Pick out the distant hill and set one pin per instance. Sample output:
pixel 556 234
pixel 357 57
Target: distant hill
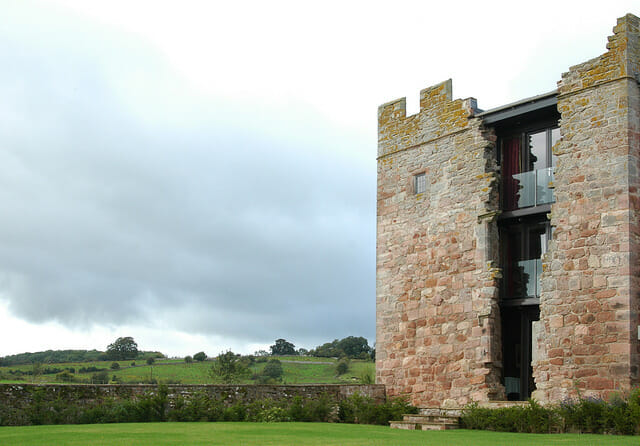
pixel 62 356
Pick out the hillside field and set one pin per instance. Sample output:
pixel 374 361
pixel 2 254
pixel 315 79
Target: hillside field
pixel 297 370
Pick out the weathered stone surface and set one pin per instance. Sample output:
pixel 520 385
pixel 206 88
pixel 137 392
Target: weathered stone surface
pixel 436 288
pixel 595 217
pixel 438 323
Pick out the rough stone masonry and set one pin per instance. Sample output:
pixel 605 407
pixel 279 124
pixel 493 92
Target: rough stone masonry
pixel 440 259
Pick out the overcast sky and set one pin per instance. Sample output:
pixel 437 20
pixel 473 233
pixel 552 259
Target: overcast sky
pixel 202 175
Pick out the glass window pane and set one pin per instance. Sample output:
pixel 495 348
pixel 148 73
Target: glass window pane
pixel 523 260
pixel 537 150
pixel 511 158
pixel 544 179
pixel 525 189
pixel 555 137
pixel 514 274
pixel 420 185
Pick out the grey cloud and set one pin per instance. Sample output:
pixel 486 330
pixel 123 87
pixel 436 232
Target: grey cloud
pixel 223 226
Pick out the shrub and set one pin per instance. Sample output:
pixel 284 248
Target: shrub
pixel 65 377
pixel 342 367
pixel 363 410
pixel 115 366
pixel 368 376
pixel 312 409
pixel 100 378
pixel 273 370
pixel 585 415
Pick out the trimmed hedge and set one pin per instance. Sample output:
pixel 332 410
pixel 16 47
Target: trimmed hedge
pixel 619 415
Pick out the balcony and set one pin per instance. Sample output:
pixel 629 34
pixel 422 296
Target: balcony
pixel 527 189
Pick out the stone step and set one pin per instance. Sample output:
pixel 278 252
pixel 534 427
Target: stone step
pixel 500 404
pixel 408 425
pixel 456 412
pixel 417 418
pixel 426 422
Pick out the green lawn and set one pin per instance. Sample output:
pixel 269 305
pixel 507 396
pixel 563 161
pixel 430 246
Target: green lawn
pixel 260 434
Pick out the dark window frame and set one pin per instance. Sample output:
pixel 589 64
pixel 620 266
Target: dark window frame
pixel 522 132
pixel 523 226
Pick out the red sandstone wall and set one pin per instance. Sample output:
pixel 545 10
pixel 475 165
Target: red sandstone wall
pixel 437 315
pixel 589 303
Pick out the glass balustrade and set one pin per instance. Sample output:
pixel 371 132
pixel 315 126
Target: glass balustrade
pixel 524 279
pixel 531 188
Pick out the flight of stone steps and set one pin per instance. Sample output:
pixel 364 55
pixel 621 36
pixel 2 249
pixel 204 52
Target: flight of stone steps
pixel 443 419
pixel 429 419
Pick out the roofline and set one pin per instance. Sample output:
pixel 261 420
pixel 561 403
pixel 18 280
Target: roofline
pixel 520 107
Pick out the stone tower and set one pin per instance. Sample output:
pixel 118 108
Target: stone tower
pixel 508 239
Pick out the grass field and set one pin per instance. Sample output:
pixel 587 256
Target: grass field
pixel 261 434
pixel 297 370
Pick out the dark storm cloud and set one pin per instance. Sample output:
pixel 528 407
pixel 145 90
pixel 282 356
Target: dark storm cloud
pixel 242 224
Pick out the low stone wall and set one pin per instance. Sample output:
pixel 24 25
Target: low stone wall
pixel 19 396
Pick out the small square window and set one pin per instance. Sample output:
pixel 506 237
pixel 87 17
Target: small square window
pixel 420 183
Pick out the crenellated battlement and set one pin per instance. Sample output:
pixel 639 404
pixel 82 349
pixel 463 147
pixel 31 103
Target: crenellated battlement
pixel 439 116
pixel 622 60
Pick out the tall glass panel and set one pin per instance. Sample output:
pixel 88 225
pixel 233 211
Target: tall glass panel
pixel 523 262
pixel 555 137
pixel 537 150
pixel 515 281
pixel 525 184
pixel 511 166
pixel 544 179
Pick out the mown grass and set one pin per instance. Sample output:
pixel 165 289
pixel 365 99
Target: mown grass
pixel 297 370
pixel 249 434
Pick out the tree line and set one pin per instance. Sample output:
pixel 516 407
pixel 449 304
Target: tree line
pixel 125 348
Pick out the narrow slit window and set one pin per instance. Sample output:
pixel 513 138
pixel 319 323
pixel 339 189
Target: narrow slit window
pixel 420 183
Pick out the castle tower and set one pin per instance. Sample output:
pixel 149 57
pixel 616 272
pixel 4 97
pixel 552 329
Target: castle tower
pixel 508 240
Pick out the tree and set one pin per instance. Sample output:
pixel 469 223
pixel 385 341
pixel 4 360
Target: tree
pixel 327 350
pixel 273 369
pixel 188 359
pixel 351 346
pixel 36 370
pixel 282 347
pixel 228 367
pixel 200 356
pixel 115 366
pixel 150 360
pixel 123 348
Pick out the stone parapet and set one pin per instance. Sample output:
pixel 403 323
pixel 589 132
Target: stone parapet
pixel 439 116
